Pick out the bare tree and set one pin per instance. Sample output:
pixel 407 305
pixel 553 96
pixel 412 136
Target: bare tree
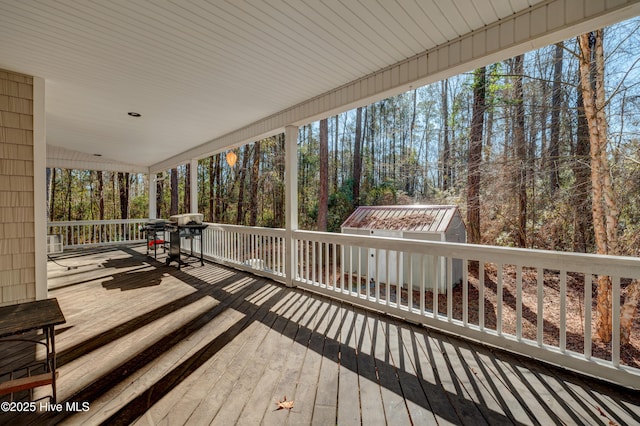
pixel 241 183
pixel 174 192
pixel 604 206
pixel 100 195
pixel 52 210
pixel 521 170
pixel 186 201
pixel 446 146
pixel 323 194
pixel 556 98
pixel 253 199
pixel 475 156
pixel 357 158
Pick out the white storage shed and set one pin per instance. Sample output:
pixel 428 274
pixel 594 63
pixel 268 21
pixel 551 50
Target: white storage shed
pixel 417 222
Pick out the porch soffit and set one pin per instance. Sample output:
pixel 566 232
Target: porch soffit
pixel 208 75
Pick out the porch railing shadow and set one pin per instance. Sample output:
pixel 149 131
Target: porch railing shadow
pixel 404 377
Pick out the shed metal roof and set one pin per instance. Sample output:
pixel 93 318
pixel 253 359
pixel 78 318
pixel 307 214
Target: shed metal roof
pixel 417 218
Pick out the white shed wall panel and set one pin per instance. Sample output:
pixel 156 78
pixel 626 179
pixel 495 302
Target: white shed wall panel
pixel 418 222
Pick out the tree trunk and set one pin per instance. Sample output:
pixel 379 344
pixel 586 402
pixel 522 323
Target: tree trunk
pixel 241 184
pixel 100 195
pixel 159 197
pixel 48 189
pixel 69 193
pixel 521 153
pixel 212 215
pixel 357 158
pixel 219 203
pixel 323 195
pixel 52 208
pixel 186 201
pixel 446 146
pixel 335 154
pixel 173 209
pixel 255 176
pixel 123 187
pixel 407 152
pixel 604 209
pixel 556 99
pixel 629 311
pixel 475 156
pixel 279 199
pixel 581 194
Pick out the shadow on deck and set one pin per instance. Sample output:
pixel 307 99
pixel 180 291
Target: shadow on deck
pixel 146 343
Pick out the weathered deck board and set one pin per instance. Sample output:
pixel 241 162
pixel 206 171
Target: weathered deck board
pixel 393 402
pixel 148 344
pixel 348 386
pixel 370 397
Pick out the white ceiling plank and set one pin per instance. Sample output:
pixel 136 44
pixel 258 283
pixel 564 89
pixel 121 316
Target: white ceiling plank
pixel 456 21
pixel 200 70
pixel 476 15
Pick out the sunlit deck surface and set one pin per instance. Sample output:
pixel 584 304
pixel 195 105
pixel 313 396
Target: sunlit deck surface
pixel 149 344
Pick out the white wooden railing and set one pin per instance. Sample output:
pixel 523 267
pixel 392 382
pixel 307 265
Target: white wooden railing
pixel 259 250
pixel 98 232
pixel 514 299
pixel 532 302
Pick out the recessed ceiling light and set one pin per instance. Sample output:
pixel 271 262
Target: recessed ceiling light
pixel 134 114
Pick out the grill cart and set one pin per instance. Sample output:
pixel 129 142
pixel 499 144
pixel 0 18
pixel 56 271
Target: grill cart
pixel 154 230
pixel 187 226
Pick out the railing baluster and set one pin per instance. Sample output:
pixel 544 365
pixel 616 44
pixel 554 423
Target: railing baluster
pixel 307 265
pixel 563 310
pixel 423 283
pixel 376 267
pixel 449 278
pixel 465 292
pixel 615 321
pixel 410 289
pixel 540 315
pixel 387 286
pixel 588 313
pixel 359 273
pixel 500 272
pixel 518 301
pixel 435 286
pixel 319 262
pixel 481 294
pixel 335 266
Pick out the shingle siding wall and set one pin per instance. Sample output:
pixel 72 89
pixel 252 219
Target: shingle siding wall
pixel 17 243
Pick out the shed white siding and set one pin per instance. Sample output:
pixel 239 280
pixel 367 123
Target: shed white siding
pixel 419 222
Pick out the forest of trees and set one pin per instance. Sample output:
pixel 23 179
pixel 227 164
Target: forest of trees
pixel 510 143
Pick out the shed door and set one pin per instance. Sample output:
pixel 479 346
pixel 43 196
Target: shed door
pixel 391 263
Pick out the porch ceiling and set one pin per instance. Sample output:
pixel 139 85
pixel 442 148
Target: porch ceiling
pixel 199 70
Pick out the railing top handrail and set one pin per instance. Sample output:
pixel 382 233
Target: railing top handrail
pixel 246 229
pixel 95 222
pixel 623 266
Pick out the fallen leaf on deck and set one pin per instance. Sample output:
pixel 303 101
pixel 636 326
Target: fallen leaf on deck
pixel 284 404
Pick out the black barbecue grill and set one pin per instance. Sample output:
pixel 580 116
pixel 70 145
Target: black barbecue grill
pixel 187 226
pixel 154 230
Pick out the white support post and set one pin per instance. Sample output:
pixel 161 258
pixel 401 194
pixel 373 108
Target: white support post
pixel 153 194
pixel 39 188
pixel 291 200
pixel 194 185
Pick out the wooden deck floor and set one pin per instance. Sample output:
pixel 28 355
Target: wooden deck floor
pixel 147 344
